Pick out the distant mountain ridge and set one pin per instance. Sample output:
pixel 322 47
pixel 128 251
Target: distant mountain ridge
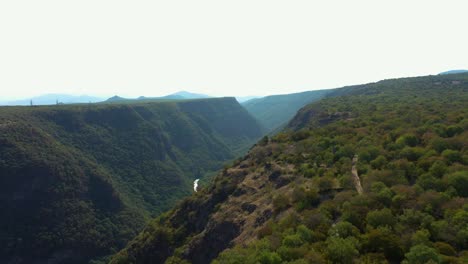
pixel 182 95
pixel 188 95
pixel 51 99
pixel 453 72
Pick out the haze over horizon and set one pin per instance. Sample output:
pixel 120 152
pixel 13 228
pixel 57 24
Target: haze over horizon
pixel 105 48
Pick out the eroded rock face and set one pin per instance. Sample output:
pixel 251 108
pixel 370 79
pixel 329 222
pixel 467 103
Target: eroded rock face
pixel 212 241
pixel 283 180
pixel 263 217
pixel 242 190
pixel 248 207
pixel 228 213
pixel 274 175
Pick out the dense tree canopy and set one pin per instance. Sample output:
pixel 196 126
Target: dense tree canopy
pixel 78 181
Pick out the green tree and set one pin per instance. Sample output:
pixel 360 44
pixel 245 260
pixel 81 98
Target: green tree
pixel 421 237
pixel 344 229
pixel 269 258
pixel 305 233
pixel 293 240
pixel 459 181
pixel 381 218
pixel 453 130
pixel 379 162
pixel 421 254
pixel 384 240
pixel 342 250
pixel 452 155
pixel 407 140
pixel 280 202
pixel 438 168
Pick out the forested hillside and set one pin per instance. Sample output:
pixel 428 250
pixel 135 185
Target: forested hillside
pixel 78 181
pixel 276 110
pixel 376 174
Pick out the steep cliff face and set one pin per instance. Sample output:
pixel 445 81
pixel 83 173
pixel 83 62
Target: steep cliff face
pixel 294 198
pixel 275 111
pixel 78 181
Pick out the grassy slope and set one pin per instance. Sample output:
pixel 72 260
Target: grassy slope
pixel 293 199
pixel 80 180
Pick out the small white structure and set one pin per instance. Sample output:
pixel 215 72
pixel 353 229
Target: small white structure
pixel 195 185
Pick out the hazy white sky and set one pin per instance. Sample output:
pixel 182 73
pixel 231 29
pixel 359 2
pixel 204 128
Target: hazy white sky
pixel 241 47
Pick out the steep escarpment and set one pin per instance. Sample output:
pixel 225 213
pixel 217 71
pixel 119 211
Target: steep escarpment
pixel 275 111
pixel 224 119
pixel 77 181
pixel 292 198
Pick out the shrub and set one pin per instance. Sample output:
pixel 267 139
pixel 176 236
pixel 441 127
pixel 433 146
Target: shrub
pixel 381 218
pixel 379 162
pixel 428 182
pixel 452 155
pixel 300 135
pixel 280 202
pixel 421 237
pixel 383 240
pixel 373 258
pixel 305 198
pixel 453 130
pixel 439 144
pixel 445 248
pixel 305 233
pixel 412 154
pixel 293 241
pixel 291 253
pixel 343 229
pixel 459 181
pixel 438 169
pixel 264 231
pixel 325 183
pixel 342 250
pixel 269 258
pixel 421 254
pixel 407 140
